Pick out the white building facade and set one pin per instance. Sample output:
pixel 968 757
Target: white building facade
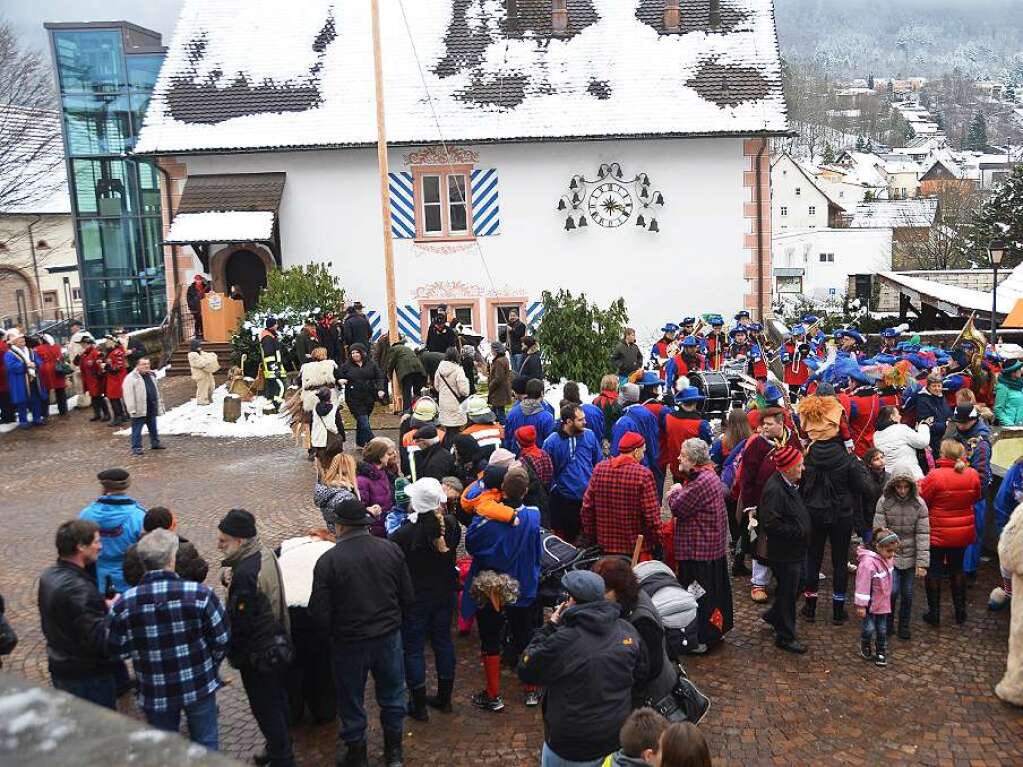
pixel 612 175
pixel 797 202
pixel 817 263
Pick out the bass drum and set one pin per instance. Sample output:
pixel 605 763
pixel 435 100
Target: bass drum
pixel 715 388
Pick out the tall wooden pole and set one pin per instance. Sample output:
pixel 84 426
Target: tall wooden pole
pixel 385 196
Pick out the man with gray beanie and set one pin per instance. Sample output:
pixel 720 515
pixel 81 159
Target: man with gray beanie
pixel 176 633
pixel 261 646
pixel 587 658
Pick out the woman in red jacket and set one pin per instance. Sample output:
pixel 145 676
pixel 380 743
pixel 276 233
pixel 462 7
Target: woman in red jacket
pixel 950 491
pixel 116 366
pixel 51 353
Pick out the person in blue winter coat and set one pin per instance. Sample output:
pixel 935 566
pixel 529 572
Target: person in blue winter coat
pixel 24 381
pixel 1010 495
pixel 637 418
pixel 574 451
pixel 530 411
pixel 120 526
pixel 930 403
pixel 503 548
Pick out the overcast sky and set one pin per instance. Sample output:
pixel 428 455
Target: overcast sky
pixel 28 16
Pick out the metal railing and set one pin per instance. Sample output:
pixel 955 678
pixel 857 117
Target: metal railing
pixel 56 322
pixel 177 327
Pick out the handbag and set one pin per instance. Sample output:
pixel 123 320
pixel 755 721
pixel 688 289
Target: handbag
pixel 277 655
pixel 685 703
pixel 63 369
pixel 453 392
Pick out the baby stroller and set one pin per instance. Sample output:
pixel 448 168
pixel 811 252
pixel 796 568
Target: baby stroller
pixel 557 557
pixel 676 606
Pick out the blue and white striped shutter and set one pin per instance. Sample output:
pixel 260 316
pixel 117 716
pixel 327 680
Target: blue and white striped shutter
pixel 403 209
pixel 534 313
pixel 408 323
pixel 486 209
pixel 374 323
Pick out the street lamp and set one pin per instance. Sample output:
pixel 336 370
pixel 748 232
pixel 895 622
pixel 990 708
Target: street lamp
pixel 996 250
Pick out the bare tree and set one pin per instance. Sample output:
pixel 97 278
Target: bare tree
pixel 31 154
pixel 945 244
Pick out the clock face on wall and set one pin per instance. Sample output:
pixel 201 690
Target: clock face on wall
pixel 610 204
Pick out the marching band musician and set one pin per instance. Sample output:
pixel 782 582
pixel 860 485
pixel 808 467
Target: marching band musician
pixel 794 352
pixel 742 320
pixel 889 341
pixel 688 360
pixel 716 342
pixel 818 341
pixel 740 345
pixel 687 326
pixel 850 343
pixel 757 366
pixel 659 352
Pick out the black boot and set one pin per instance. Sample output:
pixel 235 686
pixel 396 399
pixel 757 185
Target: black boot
pixel 96 414
pixel 933 588
pixel 809 610
pixel 904 632
pixel 958 583
pixel 118 418
pixel 392 750
pixel 355 756
pixel 417 706
pixel 881 659
pixel 866 651
pixel 442 700
pixel 838 614
pixel 104 409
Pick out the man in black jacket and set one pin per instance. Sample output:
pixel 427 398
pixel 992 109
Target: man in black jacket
pixel 361 591
pixel 441 336
pixel 356 328
pixel 258 613
pixel 587 658
pixel 514 334
pixel 432 459
pixel 783 518
pixel 73 615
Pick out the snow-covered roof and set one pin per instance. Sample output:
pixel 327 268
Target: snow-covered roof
pixel 915 213
pixel 33 175
pixel 895 163
pixel 221 226
pixel 261 74
pixel 951 298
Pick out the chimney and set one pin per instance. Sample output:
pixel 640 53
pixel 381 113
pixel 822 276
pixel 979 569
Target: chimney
pixel 715 13
pixel 559 16
pixel 672 16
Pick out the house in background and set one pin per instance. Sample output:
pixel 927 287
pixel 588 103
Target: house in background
pixel 943 177
pixel 38 269
pixel 910 222
pixel 818 263
pixel 797 200
pixel 615 147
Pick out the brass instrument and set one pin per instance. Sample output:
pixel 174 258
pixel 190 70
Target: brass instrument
pixel 979 340
pixel 700 322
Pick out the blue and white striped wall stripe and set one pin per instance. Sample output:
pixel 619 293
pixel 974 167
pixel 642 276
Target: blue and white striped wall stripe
pixel 403 211
pixel 486 210
pixel 408 323
pixel 534 313
pixel 374 323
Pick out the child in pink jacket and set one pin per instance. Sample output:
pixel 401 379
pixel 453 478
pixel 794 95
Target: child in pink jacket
pixel 874 572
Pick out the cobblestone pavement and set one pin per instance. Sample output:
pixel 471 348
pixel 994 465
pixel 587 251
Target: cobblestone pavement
pixel 933 705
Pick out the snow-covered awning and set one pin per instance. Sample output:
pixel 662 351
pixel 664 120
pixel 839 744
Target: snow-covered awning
pixel 953 300
pixel 221 226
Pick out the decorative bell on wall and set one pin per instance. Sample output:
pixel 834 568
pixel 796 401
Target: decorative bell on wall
pixel 659 199
pixel 569 224
pixel 561 204
pixel 640 221
pixel 653 225
pixel 582 222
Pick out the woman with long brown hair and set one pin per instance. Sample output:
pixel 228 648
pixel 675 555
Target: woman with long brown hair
pixel 683 745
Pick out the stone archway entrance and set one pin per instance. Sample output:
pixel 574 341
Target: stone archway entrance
pixel 17 298
pixel 246 270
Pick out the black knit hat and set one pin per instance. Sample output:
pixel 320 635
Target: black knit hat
pixel 271 322
pixel 238 523
pixel 351 512
pixel 114 479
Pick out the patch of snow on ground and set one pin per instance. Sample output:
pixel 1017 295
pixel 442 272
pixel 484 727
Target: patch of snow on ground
pixel 207 420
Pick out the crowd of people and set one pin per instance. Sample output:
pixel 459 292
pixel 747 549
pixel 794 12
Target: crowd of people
pixel 540 527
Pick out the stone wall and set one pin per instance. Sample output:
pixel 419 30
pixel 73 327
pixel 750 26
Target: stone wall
pixel 974 279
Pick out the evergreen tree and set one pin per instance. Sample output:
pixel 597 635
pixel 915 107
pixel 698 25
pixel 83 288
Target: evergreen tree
pixel 999 219
pixel 829 155
pixel 976 136
pixel 861 144
pixel 870 82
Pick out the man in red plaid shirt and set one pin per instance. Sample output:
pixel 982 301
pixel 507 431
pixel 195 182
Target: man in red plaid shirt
pixel 620 502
